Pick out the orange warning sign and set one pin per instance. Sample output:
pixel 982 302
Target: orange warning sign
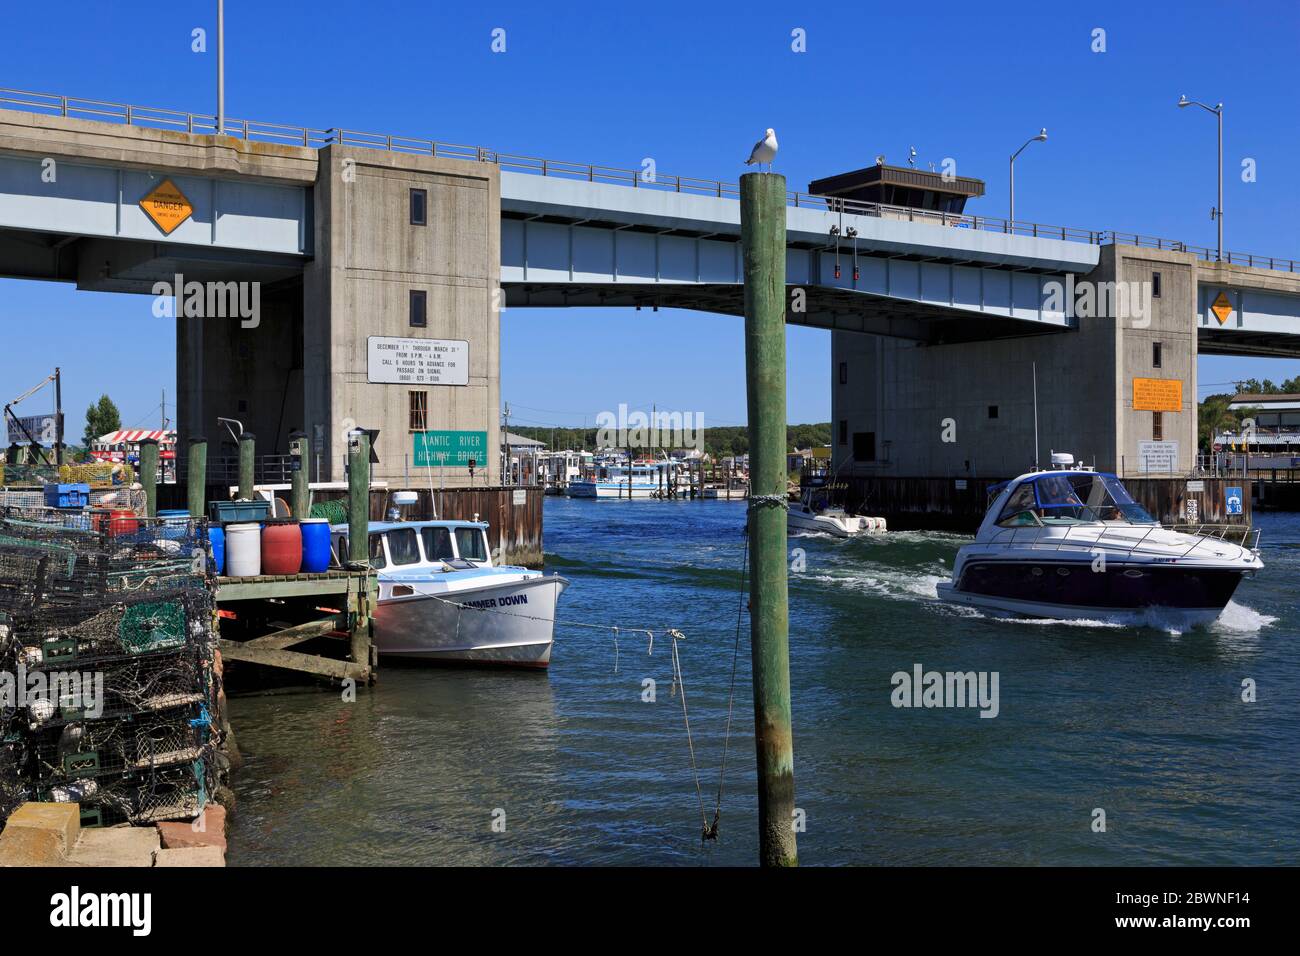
pixel 166 206
pixel 1222 308
pixel 1157 394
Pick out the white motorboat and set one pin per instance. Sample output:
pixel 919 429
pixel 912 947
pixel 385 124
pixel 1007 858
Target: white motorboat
pixel 641 480
pixel 441 598
pixel 1072 543
pixel 815 513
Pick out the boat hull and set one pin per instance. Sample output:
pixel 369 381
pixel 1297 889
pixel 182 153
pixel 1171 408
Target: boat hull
pixel 1126 592
pixel 510 624
pixel 587 489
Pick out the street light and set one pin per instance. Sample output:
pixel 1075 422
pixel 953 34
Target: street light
pixel 1040 138
pixel 1217 212
pixel 221 67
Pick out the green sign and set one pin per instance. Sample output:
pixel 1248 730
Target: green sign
pixel 450 449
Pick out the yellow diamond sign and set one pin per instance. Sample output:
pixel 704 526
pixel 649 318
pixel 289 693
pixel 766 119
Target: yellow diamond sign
pixel 166 206
pixel 1222 308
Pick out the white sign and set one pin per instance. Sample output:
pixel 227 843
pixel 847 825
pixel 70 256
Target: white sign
pixel 961 484
pixel 1158 457
pixel 520 496
pixel 402 361
pixel 1195 486
pixel 1193 511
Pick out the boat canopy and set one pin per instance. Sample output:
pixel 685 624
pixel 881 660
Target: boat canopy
pixel 1070 497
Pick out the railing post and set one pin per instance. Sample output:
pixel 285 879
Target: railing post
pixel 65 105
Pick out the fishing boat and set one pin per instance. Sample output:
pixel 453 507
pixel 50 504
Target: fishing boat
pixel 640 480
pixel 1072 543
pixel 815 513
pixel 441 599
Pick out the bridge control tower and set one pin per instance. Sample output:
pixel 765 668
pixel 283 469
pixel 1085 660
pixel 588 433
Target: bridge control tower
pixel 899 186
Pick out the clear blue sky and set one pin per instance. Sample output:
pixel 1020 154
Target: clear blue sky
pixel 692 85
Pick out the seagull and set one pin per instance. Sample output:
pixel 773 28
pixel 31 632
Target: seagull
pixel 764 151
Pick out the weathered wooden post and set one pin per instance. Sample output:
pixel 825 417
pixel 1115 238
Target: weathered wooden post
pixel 762 236
pixel 198 476
pixel 359 496
pixel 149 475
pixel 247 446
pixel 299 456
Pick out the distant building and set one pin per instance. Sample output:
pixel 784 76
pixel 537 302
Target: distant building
pixel 1276 424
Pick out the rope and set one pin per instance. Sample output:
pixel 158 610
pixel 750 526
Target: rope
pixel 776 501
pixel 678 681
pixel 711 830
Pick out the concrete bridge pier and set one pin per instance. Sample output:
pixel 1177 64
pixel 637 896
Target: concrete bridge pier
pixel 964 410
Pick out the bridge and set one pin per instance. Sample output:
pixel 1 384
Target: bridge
pixel 324 221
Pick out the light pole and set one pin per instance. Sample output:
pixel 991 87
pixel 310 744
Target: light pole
pixel 221 67
pixel 1217 212
pixel 1040 138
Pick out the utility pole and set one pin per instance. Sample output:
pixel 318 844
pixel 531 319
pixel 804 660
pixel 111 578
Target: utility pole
pixel 762 236
pixel 58 417
pixel 221 67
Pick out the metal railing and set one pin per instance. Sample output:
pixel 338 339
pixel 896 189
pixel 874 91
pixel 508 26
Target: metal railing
pixel 205 123
pixel 1124 544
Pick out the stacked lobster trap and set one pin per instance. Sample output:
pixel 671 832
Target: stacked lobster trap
pixel 107 638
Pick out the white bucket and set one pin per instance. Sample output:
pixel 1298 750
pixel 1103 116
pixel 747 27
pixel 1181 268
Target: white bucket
pixel 243 550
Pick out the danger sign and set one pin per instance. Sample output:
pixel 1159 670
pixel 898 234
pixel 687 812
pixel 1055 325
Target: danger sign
pixel 166 206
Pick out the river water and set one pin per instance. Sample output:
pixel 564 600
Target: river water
pixel 485 767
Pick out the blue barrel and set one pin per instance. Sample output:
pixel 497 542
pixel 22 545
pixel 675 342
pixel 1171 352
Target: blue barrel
pixel 175 522
pixel 217 538
pixel 315 545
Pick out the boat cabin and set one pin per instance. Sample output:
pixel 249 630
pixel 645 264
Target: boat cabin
pixel 1051 498
pixel 421 545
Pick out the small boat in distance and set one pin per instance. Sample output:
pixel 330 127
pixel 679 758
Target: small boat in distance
pixel 442 600
pixel 814 512
pixel 1072 543
pixel 640 480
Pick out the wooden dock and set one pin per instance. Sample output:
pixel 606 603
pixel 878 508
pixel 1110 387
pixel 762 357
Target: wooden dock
pixel 262 617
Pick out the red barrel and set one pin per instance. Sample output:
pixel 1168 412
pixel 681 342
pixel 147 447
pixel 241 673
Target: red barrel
pixel 281 548
pixel 122 521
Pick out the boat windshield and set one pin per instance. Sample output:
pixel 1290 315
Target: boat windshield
pixel 1071 498
pixel 471 544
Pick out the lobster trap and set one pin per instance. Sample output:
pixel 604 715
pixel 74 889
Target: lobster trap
pixel 106 622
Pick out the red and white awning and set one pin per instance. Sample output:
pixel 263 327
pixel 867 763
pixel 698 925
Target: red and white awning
pixel 130 436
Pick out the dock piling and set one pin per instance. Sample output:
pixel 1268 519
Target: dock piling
pixel 763 241
pixel 299 455
pixel 149 475
pixel 359 496
pixel 247 446
pixel 198 476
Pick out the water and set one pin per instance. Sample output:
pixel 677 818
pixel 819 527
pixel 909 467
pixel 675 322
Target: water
pixel 1147 724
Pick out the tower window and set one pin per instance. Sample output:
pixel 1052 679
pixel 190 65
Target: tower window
pixel 993 411
pixel 1157 426
pixel 1155 355
pixel 844 431
pixel 1155 285
pixel 844 373
pixel 419 207
pixel 419 301
pixel 419 411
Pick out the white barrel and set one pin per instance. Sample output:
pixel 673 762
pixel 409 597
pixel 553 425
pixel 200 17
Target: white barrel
pixel 243 550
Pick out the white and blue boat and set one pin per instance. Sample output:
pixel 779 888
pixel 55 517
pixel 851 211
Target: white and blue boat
pixel 441 599
pixel 647 480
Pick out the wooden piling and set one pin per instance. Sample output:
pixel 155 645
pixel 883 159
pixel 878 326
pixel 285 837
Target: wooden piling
pixel 359 496
pixel 149 475
pixel 247 447
pixel 198 476
pixel 299 456
pixel 763 241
